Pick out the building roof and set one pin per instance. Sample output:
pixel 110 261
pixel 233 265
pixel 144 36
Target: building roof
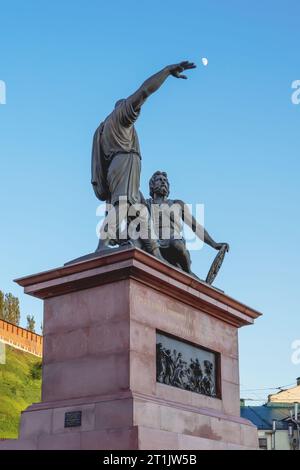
pixel 262 416
pixel 291 395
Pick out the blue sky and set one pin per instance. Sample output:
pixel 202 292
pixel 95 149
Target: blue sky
pixel 228 137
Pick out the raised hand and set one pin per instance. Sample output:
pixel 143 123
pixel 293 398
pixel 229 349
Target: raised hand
pixel 177 69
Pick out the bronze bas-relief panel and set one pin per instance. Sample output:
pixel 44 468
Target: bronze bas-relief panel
pixel 186 366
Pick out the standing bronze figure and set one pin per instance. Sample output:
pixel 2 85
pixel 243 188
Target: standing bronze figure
pixel 116 155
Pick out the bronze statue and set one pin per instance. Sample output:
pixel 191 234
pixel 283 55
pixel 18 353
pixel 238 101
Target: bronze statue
pixel 116 156
pixel 173 248
pixel 116 169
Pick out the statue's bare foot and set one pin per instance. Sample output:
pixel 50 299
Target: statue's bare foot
pixel 105 244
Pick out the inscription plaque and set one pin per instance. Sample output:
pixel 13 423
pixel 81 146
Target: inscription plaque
pixel 183 365
pixel 72 419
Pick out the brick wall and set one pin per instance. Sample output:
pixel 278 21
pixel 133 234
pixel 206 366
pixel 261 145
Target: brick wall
pixel 21 338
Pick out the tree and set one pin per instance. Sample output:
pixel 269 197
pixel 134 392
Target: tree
pixel 1 305
pixel 30 323
pixel 11 310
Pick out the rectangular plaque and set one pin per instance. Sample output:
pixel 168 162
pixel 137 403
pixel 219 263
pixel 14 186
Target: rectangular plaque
pixel 72 419
pixel 187 366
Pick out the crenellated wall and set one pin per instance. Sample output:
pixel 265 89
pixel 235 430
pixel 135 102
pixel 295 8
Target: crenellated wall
pixel 21 338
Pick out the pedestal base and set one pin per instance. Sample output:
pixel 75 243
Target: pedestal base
pixel 101 320
pixel 130 423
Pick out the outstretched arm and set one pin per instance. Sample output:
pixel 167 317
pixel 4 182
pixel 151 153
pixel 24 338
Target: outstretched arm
pixel 152 84
pixel 197 228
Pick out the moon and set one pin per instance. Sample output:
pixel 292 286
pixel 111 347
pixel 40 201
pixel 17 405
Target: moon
pixel 204 61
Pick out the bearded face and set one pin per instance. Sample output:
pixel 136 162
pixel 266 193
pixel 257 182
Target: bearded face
pixel 161 185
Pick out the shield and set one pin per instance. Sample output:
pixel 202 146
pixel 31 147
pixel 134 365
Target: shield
pixel 216 264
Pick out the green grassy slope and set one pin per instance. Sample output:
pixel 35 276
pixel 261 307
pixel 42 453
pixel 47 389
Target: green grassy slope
pixel 20 386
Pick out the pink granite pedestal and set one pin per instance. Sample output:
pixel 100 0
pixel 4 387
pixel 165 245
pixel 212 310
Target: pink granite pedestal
pixel 100 322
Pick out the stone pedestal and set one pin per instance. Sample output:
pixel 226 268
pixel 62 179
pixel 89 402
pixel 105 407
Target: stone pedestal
pixel 101 318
